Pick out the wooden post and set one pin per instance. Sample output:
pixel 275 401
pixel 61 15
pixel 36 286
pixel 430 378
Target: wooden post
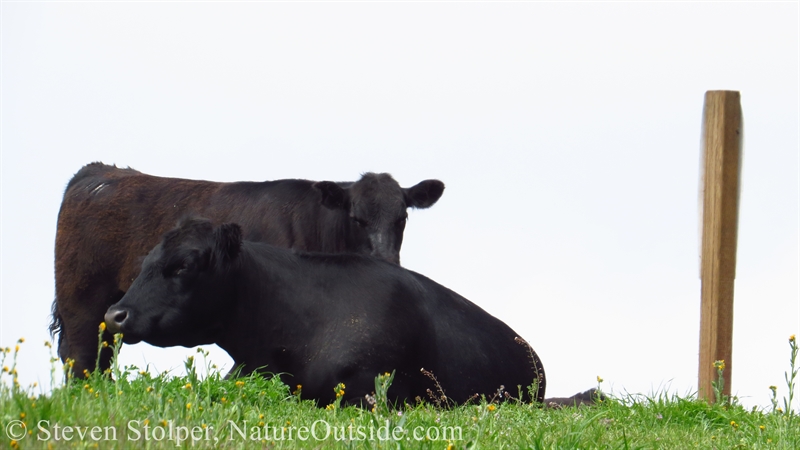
pixel 722 143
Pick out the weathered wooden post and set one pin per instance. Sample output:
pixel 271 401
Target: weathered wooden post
pixel 722 147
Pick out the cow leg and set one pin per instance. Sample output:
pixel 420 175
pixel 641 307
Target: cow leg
pixel 78 341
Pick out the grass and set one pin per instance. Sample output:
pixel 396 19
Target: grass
pixel 133 409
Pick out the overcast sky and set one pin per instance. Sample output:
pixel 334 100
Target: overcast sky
pixel 568 136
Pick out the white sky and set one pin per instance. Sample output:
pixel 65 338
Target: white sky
pixel 568 136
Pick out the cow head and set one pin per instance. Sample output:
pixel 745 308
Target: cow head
pixel 376 210
pixel 178 298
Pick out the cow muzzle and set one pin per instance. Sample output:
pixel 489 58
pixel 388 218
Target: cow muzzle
pixel 115 319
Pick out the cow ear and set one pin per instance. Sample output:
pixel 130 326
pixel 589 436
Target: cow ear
pixel 227 242
pixel 333 195
pixel 424 194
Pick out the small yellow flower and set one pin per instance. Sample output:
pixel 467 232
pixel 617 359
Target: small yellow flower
pixel 260 424
pixel 14 443
pixel 223 400
pixel 5 368
pixel 48 344
pixel 163 423
pixel 86 386
pixel 22 415
pixel 240 384
pixel 719 365
pixel 762 427
pixel 734 424
pixel 599 380
pixel 791 338
pixel 102 326
pixel 188 406
pixel 21 340
pixel 204 426
pixel 147 421
pixel 773 388
pixel 149 389
pixel 188 386
pixel 104 344
pixel 491 407
pixel 330 407
pixel 16 348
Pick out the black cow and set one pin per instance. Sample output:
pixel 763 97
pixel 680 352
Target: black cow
pixel 110 218
pixel 324 319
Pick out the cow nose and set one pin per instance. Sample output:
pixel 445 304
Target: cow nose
pixel 115 319
pixel 387 256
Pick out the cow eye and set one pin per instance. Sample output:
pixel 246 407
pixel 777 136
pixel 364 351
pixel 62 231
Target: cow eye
pixel 178 269
pixel 360 222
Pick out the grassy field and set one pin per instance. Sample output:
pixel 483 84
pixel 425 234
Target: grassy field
pixel 133 409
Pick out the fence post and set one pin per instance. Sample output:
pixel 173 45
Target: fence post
pixel 722 147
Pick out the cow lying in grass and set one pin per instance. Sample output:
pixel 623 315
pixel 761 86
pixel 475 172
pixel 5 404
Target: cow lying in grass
pixel 320 319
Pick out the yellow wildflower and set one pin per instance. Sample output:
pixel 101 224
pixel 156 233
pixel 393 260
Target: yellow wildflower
pixel 491 407
pixel 102 326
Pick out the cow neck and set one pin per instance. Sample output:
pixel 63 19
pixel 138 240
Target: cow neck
pixel 258 282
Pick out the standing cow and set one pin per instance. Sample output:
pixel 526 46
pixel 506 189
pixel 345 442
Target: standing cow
pixel 320 319
pixel 111 217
